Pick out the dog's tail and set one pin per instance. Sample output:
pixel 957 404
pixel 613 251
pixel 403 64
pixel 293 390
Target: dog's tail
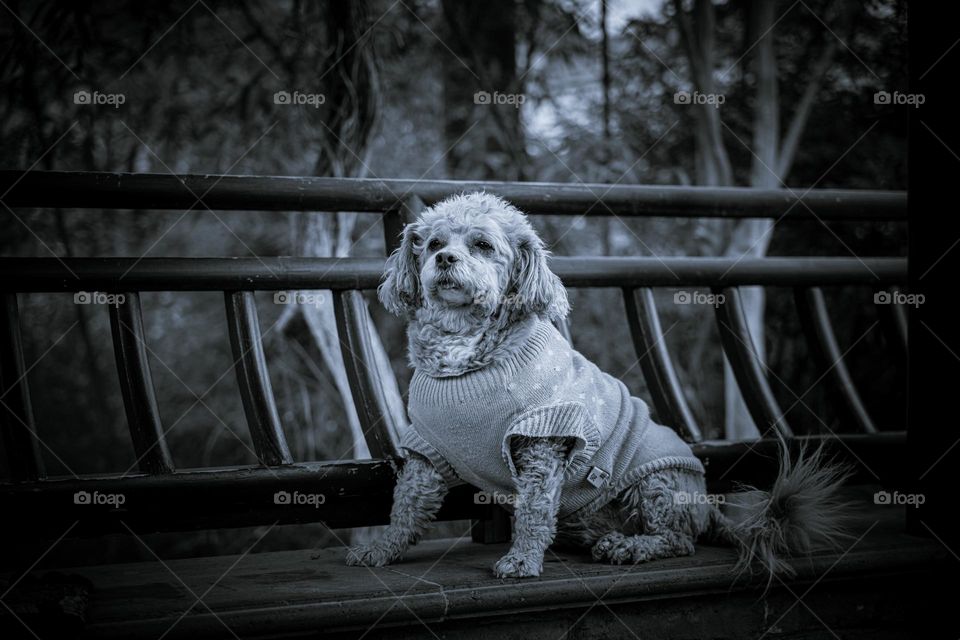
pixel 803 512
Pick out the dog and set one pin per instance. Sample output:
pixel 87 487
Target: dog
pixel 501 401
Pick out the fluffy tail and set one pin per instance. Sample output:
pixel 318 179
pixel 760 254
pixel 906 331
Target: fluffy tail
pixel 800 514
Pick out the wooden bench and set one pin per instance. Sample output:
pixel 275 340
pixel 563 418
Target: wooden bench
pixel 440 586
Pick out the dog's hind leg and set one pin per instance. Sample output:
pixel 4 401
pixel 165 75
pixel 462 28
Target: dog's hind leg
pixel 617 548
pixel 670 523
pixel 582 530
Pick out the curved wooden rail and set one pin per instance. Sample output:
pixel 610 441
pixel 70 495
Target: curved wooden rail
pixel 741 351
pixel 136 386
pixel 380 426
pixel 256 391
pixel 816 322
pixel 893 319
pixel 563 326
pixel 20 443
pixel 657 365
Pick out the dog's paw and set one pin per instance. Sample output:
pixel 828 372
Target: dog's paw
pixel 613 547
pixel 371 555
pixel 518 565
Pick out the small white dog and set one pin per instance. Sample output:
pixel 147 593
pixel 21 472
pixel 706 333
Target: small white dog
pixel 501 401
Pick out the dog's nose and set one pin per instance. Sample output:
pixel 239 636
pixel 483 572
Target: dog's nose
pixel 445 259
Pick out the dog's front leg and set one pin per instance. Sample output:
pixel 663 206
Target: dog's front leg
pixel 540 466
pixel 416 499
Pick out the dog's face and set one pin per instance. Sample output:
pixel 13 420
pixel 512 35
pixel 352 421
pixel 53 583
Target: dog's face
pixel 473 253
pixel 463 261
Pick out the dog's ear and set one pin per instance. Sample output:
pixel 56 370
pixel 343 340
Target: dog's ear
pixel 400 290
pixel 538 290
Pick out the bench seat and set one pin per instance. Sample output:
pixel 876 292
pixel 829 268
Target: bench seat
pixel 444 588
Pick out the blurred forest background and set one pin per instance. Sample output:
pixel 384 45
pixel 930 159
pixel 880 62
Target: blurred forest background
pixel 598 82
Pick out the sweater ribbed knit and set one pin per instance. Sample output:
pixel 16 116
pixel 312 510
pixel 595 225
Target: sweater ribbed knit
pixel 464 424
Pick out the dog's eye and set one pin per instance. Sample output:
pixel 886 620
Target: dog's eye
pixel 483 245
pixel 434 245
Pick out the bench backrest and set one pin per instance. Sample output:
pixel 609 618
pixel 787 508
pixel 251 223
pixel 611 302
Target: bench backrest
pixel 357 493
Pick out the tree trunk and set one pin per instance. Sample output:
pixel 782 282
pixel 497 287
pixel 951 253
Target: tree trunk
pixel 711 161
pixel 484 138
pixel 347 119
pixel 750 238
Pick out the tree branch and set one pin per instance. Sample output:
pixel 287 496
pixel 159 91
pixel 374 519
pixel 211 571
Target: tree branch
pixel 802 112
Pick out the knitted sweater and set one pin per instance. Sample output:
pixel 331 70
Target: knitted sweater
pixel 464 424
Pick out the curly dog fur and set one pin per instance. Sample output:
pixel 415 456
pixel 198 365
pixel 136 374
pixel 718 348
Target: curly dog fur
pixel 419 493
pixel 469 276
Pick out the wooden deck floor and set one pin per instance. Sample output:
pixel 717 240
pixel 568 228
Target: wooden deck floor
pixel 444 588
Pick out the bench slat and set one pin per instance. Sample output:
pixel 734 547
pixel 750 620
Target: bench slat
pixel 816 323
pixel 281 193
pixel 740 349
pixel 281 273
pixel 358 493
pixel 136 385
pixel 16 413
pixel 657 365
pixel 250 364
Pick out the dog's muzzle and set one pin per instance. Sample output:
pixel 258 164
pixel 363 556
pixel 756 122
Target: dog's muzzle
pixel 446 259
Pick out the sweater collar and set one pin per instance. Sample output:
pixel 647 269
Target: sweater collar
pixel 439 390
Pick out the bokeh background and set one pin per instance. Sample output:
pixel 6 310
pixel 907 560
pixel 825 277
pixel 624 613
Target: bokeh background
pixel 591 91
